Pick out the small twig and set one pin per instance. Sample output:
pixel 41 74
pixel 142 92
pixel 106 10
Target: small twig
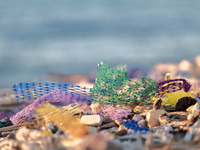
pixel 14 127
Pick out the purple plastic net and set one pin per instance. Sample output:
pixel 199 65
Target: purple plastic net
pixel 113 113
pixel 169 86
pixel 3 115
pixel 57 96
pixel 56 92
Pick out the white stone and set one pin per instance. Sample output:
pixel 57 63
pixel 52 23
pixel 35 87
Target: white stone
pixel 24 134
pixel 137 117
pixel 119 121
pixel 167 128
pixel 192 110
pixel 122 127
pixel 152 117
pixel 92 119
pixel 142 122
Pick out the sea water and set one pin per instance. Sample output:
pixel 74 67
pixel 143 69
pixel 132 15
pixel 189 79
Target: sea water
pixel 72 37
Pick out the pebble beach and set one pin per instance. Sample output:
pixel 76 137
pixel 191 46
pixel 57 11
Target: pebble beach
pixel 155 114
pixel 99 75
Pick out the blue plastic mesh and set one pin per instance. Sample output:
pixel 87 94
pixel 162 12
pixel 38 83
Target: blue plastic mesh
pixel 34 90
pixel 133 125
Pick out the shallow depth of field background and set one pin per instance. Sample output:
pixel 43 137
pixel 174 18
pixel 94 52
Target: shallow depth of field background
pixel 72 37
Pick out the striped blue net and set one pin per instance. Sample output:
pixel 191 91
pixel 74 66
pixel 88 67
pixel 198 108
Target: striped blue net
pixel 34 90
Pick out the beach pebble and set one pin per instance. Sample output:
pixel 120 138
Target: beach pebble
pixel 24 134
pixel 164 119
pixel 119 121
pixel 51 127
pixel 108 125
pixel 92 119
pixel 167 128
pixel 184 103
pixel 142 122
pixel 92 129
pixel 121 133
pixel 192 110
pixel 137 117
pixel 152 117
pixel 121 127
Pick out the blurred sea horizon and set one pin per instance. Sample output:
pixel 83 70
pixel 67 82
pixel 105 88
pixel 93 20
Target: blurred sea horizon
pixel 72 37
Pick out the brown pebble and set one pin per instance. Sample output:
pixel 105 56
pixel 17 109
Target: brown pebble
pixel 107 126
pixel 121 133
pixel 121 127
pixel 184 103
pixel 137 117
pixel 142 122
pixel 164 119
pixel 157 104
pixel 119 121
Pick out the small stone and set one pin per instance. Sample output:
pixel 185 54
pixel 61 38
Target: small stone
pixel 24 134
pixel 152 117
pixel 121 127
pixel 119 121
pixel 157 104
pixel 137 117
pixel 92 119
pixel 164 119
pixel 167 128
pixel 121 133
pixel 108 125
pixel 51 127
pixel 192 110
pixel 142 122
pixel 169 108
pixel 93 129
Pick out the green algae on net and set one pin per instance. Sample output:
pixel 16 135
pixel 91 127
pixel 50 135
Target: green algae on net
pixel 112 86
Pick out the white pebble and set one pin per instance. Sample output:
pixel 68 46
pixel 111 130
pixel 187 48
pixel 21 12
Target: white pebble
pixel 152 117
pixel 24 134
pixel 142 122
pixel 92 119
pixel 137 117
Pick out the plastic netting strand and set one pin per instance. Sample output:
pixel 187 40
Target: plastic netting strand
pixel 34 90
pixel 52 92
pixel 173 85
pixel 113 87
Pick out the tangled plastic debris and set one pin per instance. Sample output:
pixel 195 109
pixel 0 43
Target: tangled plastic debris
pixel 113 87
pixel 108 110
